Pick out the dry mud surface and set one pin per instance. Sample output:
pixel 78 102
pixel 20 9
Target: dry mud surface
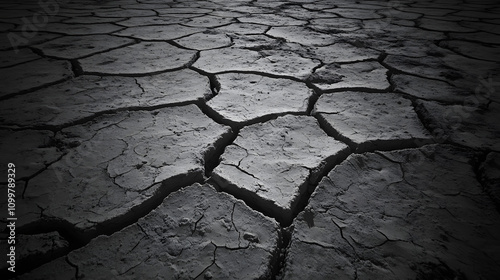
pixel 251 139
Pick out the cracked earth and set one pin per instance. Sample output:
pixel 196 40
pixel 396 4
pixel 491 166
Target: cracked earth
pixel 251 139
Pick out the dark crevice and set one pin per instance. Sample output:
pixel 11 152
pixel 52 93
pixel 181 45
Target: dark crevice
pixel 332 132
pixel 214 82
pixel 73 265
pixel 312 103
pixel 278 264
pixel 389 72
pixel 212 157
pixel 315 178
pixel 439 134
pixel 76 67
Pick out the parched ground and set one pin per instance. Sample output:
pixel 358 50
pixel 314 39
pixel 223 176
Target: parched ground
pixel 251 139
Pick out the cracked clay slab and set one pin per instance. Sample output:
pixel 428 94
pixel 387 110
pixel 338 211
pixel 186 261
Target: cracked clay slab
pixel 204 41
pixel 141 58
pixel 30 150
pixel 471 125
pixel 429 89
pixel 86 96
pixel 117 166
pixel 246 98
pixel 302 35
pixel 13 57
pixel 408 214
pixel 279 63
pixel 196 233
pixel 72 47
pixel 371 121
pixel 367 75
pixel 33 74
pixel 270 165
pixel 159 32
pixel 338 53
pixel 489 172
pixel 82 29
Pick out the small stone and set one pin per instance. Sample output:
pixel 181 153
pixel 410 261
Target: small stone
pixel 250 237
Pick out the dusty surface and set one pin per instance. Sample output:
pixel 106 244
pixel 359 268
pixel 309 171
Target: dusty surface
pixel 366 121
pixel 196 233
pixel 245 139
pixel 377 215
pixel 272 164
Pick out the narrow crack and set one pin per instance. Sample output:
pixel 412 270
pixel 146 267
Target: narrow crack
pixel 209 266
